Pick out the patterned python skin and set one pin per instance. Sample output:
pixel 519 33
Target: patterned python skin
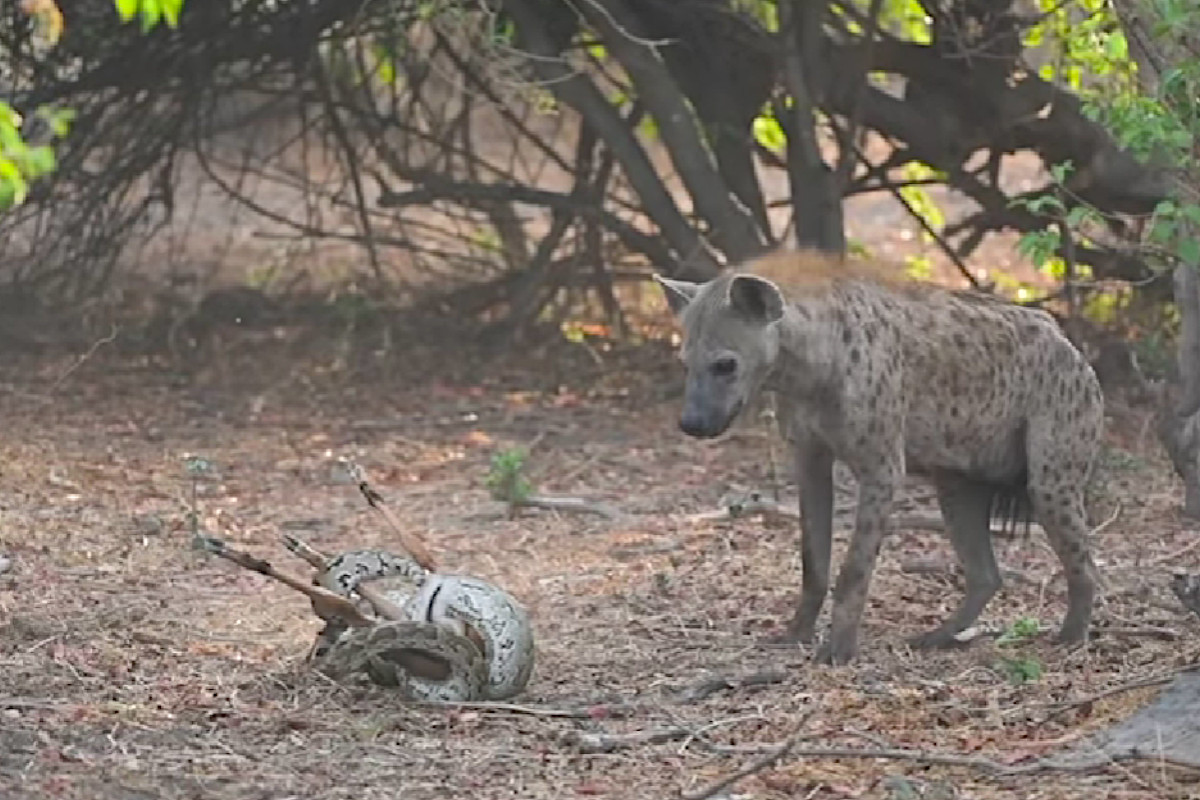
pixel 463 638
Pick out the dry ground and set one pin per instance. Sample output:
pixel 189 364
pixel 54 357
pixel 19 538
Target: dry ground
pixel 132 666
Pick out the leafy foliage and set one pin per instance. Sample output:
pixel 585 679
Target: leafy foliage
pixel 1155 117
pixel 22 162
pixel 1018 669
pixel 506 479
pixel 151 12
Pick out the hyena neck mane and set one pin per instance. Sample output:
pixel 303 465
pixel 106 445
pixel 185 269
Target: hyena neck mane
pixel 810 273
pixel 810 333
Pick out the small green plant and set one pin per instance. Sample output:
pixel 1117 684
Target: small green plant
pixel 1020 631
pixel 506 479
pixel 1018 669
pixel 197 468
pixel 150 11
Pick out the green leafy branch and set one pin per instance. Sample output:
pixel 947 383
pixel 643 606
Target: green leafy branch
pixel 21 163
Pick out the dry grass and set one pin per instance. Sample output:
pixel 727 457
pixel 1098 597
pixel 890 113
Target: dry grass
pixel 135 667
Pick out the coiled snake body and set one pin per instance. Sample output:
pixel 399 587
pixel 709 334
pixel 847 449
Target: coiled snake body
pixel 462 638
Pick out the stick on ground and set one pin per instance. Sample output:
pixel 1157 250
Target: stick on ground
pixel 552 502
pixel 759 765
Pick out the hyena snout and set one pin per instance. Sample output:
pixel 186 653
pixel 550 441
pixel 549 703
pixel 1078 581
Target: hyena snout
pixel 695 424
pixel 707 420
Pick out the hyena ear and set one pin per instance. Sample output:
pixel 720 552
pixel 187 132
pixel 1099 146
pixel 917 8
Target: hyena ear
pixel 756 298
pixel 678 293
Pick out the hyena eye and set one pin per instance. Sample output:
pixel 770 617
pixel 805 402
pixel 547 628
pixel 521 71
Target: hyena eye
pixel 724 367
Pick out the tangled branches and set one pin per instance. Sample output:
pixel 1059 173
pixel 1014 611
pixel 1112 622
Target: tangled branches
pixel 527 155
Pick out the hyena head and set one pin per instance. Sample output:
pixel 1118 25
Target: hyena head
pixel 730 341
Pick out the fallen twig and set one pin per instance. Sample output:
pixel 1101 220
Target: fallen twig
pixel 748 505
pixel 409 541
pixel 592 743
pixel 552 502
pixel 1174 556
pixel 79 362
pixel 715 683
pixel 757 503
pixel 946 759
pixel 599 711
pixel 765 762
pixel 1109 521
pixel 632 551
pixel 1157 679
pixel 1144 631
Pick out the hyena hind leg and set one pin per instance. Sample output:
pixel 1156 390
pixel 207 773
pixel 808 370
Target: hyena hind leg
pixel 1061 514
pixel 966 509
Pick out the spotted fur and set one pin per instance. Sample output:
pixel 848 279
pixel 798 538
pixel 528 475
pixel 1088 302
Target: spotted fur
pixel 477 628
pixel 988 399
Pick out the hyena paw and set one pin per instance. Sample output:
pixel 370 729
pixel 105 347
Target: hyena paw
pixel 837 650
pixel 794 633
pixel 936 639
pixel 1071 635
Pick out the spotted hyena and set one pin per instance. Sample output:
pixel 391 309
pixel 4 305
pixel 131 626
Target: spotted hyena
pixel 987 399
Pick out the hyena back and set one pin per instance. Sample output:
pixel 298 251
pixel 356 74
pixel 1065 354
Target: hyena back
pixel 987 399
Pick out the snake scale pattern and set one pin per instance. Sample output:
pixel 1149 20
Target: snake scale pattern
pixel 462 639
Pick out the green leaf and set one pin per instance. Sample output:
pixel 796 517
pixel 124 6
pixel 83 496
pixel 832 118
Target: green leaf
pixel 1116 48
pixel 1078 214
pixel 127 9
pixel 171 10
pixel 151 14
pixel 1189 252
pixel 59 119
pixel 14 182
pixel 1061 170
pixel 1191 213
pixel 769 133
pixel 41 160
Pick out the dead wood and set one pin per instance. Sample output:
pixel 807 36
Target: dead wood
pixel 757 503
pixel 551 502
pixel 1187 589
pixel 598 711
pixel 1128 686
pixel 1167 731
pixel 712 684
pixel 759 765
pixel 592 743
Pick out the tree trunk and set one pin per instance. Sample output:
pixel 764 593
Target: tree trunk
pixel 1179 411
pixel 816 204
pixel 576 90
pixel 1179 423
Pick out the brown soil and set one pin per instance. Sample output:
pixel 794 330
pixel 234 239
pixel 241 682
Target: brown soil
pixel 136 667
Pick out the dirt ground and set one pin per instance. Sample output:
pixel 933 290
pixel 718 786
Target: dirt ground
pixel 133 666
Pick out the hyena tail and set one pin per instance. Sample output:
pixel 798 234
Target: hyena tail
pixel 1012 508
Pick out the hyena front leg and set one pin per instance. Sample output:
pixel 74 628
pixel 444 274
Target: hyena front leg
pixel 814 473
pixel 875 492
pixel 966 508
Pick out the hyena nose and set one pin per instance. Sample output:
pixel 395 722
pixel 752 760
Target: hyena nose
pixel 693 425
